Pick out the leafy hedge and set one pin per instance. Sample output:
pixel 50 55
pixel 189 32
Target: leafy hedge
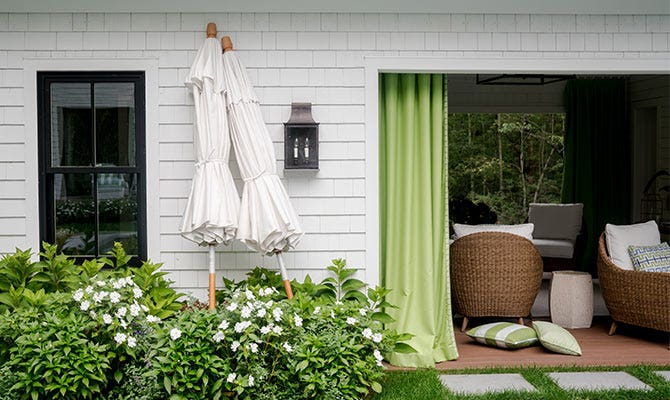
pixel 104 330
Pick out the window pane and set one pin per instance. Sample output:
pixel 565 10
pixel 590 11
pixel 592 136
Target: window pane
pixel 75 213
pixel 117 207
pixel 115 123
pixel 71 124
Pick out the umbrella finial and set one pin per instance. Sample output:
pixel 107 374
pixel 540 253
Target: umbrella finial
pixel 226 43
pixel 211 30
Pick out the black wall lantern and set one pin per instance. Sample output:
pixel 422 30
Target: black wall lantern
pixel 301 138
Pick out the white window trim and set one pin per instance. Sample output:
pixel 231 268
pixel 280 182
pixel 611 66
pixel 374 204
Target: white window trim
pixel 375 65
pixel 150 67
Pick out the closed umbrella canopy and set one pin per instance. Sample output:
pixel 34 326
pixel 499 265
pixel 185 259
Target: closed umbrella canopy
pixel 267 222
pixel 211 213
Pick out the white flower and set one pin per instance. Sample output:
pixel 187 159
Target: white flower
pixel 121 312
pixel 277 314
pixel 232 307
pixel 246 312
pixel 84 305
pixel 118 284
pixel 235 345
pixel 93 314
pixel 175 333
pixel 132 342
pixel 287 347
pixel 137 293
pixel 266 329
pixel 317 310
pixel 241 326
pixel 231 377
pixel 332 314
pixel 253 347
pixel 269 303
pixel 114 297
pixel 89 289
pixel 100 283
pixel 297 319
pixel 218 337
pixel 249 294
pixel 153 318
pixel 251 380
pixel 78 295
pixel 261 313
pixel 106 318
pixel 223 325
pixel 362 311
pixel 378 357
pixel 367 333
pixel 123 323
pixel 267 291
pixel 351 321
pixel 377 337
pixel 135 309
pixel 97 297
pixel 277 330
pixel 144 308
pixel 129 280
pixel 120 338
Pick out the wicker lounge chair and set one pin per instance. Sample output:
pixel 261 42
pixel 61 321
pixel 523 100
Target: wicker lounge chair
pixel 494 274
pixel 634 297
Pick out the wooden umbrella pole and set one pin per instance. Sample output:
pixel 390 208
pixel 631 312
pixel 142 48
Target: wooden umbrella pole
pixel 212 278
pixel 211 30
pixel 226 43
pixel 284 276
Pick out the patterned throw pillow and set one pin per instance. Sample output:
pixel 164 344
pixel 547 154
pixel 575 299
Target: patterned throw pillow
pixel 505 335
pixel 650 258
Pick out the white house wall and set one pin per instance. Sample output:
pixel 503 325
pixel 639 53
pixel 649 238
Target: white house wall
pixel 295 57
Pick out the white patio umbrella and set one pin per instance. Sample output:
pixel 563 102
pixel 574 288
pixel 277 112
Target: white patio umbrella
pixel 267 222
pixel 211 213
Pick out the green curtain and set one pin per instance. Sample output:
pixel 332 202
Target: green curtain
pixel 413 215
pixel 597 156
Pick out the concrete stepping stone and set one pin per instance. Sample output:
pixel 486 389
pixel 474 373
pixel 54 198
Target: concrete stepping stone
pixel 486 383
pixel 597 381
pixel 664 374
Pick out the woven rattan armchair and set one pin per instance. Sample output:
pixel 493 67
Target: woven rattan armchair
pixel 634 297
pixel 494 274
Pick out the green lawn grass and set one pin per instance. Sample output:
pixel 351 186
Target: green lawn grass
pixel 425 385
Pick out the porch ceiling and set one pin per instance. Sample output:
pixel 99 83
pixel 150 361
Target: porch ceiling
pixel 386 6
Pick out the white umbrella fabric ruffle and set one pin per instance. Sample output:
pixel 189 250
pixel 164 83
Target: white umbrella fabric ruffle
pixel 267 221
pixel 211 213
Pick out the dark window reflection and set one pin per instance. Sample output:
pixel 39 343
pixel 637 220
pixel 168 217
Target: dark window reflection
pixel 115 123
pixel 71 124
pixel 75 214
pixel 117 212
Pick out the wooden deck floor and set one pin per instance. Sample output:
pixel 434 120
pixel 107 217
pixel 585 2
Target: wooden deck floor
pixel 629 346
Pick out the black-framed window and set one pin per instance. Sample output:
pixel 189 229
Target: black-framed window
pixel 92 162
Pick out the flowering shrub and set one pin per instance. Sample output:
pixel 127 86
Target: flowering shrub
pixel 82 332
pixel 259 346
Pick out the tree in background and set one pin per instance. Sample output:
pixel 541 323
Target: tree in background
pixel 506 160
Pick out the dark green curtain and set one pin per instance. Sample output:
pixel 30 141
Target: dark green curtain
pixel 597 157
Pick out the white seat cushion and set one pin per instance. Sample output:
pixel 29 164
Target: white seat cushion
pixel 556 221
pixel 619 237
pixel 523 230
pixel 555 248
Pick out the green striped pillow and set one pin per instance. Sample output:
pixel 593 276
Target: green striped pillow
pixel 505 335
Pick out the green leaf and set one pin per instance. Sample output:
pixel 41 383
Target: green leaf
pixel 301 365
pixel 167 384
pixel 382 317
pixel 403 348
pixel 376 387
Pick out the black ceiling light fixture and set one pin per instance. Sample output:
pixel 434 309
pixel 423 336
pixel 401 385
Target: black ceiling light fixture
pixel 520 79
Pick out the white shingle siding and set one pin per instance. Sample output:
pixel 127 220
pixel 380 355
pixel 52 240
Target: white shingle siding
pixel 291 57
